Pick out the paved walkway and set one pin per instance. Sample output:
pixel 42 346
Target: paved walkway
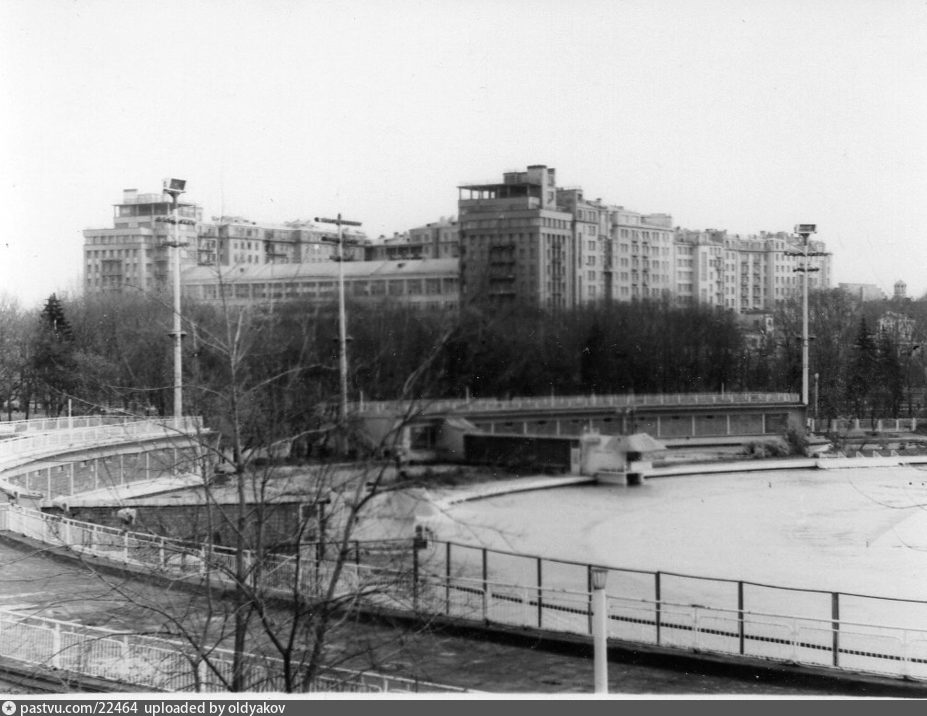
pixel 33 583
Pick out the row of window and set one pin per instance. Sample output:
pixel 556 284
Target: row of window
pixel 382 287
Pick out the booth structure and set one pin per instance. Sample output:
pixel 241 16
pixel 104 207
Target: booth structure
pixel 619 459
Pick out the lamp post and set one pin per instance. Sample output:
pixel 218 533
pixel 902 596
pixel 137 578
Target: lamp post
pixel 174 188
pixel 342 317
pixel 805 231
pixel 600 629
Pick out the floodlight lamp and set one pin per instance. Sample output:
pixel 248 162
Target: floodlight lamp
pixel 805 229
pixel 599 577
pixel 175 186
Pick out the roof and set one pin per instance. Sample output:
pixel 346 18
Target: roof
pixel 638 442
pixel 417 268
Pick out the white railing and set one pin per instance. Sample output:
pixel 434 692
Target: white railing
pixel 870 648
pixel 36 442
pixel 162 665
pixel 571 401
pixel 854 646
pixel 843 645
pixel 185 423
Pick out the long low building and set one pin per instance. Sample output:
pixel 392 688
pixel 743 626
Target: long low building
pixel 427 283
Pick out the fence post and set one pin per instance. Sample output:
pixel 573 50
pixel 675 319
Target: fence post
pixel 589 589
pixel 485 586
pixel 696 632
pixel 125 546
pixel 540 595
pixel 835 624
pixel 202 673
pixel 740 614
pixel 656 602
pixel 415 575
pixel 447 579
pixel 56 646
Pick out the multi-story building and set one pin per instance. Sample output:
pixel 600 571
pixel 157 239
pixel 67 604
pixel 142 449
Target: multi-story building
pixel 744 273
pixel 233 240
pixel 522 239
pixel 135 252
pixel 516 243
pixel 437 240
pixel 645 242
pixel 528 240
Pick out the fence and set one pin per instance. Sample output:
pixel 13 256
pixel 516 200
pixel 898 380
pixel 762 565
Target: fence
pixel 162 665
pixel 853 632
pixel 874 425
pixel 572 401
pixel 36 441
pixel 845 631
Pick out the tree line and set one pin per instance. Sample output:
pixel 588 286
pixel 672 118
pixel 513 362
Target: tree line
pixel 112 352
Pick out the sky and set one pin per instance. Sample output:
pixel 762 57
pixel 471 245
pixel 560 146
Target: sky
pixel 745 115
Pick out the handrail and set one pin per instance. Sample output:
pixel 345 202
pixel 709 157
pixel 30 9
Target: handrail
pixel 568 401
pixel 534 605
pixel 160 663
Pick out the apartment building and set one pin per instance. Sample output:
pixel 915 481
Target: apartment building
pixel 523 239
pixel 516 244
pixel 135 252
pixel 436 240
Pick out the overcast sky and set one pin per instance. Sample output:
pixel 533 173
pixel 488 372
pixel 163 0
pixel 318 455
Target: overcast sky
pixel 743 115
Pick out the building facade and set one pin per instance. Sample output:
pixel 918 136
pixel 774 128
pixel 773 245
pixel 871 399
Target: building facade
pixel 437 240
pixel 428 284
pixel 135 252
pixel 523 239
pixel 516 244
pixel 527 240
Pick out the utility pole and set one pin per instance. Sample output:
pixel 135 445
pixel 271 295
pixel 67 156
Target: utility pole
pixel 342 317
pixel 804 231
pixel 174 188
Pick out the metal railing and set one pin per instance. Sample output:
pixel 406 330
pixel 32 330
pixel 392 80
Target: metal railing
pixel 67 423
pixel 566 402
pixel 163 665
pixel 860 633
pixel 32 442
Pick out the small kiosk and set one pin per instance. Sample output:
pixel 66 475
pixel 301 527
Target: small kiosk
pixel 620 459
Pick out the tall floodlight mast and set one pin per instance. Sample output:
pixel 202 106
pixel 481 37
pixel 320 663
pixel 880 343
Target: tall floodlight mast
pixel 804 232
pixel 174 188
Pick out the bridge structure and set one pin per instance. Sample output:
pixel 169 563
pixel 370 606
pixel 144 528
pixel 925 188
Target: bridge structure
pixel 45 462
pixel 435 428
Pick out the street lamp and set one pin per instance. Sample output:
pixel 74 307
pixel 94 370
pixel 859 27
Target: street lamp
pixel 600 628
pixel 174 188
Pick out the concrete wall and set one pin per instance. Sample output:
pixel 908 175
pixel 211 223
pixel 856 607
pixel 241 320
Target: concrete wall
pixel 199 523
pixel 518 451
